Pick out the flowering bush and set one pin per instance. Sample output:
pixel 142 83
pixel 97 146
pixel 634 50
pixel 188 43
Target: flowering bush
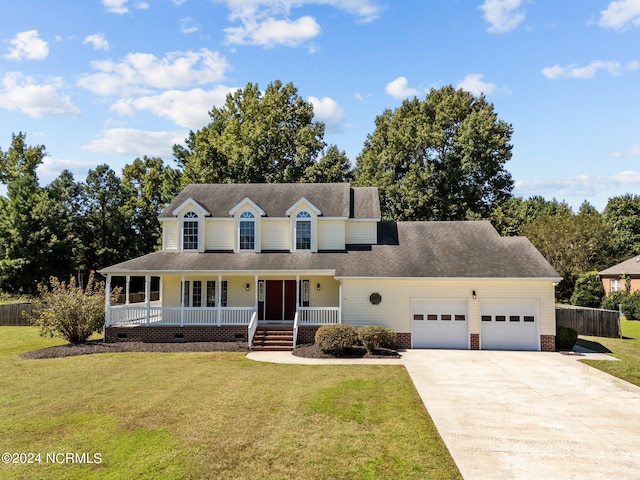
pixel 66 310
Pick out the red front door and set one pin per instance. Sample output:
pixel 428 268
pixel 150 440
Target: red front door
pixel 279 300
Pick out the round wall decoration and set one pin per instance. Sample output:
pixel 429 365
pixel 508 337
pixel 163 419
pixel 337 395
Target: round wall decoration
pixel 375 298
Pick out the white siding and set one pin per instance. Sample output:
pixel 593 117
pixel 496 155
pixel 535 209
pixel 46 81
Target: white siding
pixel 361 232
pixel 327 296
pixel 170 239
pixel 276 235
pixel 331 234
pixel 219 235
pixel 395 309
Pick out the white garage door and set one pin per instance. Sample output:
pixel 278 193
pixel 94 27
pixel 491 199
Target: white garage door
pixel 509 325
pixel 439 323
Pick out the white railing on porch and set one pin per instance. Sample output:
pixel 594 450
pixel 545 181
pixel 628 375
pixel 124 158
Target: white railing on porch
pixel 319 315
pixel 253 326
pixel 296 320
pixel 126 315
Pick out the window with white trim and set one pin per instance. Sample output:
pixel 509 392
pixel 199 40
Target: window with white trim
pixel 303 231
pixel 190 231
pixel 615 284
pixel 247 231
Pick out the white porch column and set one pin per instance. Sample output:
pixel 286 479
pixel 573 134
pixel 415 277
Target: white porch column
pixel 127 291
pixel 160 292
pixel 340 302
pixel 182 293
pixel 255 303
pixel 297 293
pixel 107 301
pixel 147 296
pixel 219 298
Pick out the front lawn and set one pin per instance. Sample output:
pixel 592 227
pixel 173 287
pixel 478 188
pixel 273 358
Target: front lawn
pixel 627 349
pixel 211 415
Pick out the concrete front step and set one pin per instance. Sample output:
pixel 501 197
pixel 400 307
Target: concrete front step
pixel 259 348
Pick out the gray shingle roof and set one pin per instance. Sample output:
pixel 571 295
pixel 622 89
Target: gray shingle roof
pixel 332 199
pixel 629 267
pixel 405 249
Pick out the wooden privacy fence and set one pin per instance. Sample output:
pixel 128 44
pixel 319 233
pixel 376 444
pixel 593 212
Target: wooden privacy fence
pixel 589 321
pixel 11 314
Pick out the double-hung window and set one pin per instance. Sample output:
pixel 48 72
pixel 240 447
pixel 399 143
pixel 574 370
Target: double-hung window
pixel 190 231
pixel 247 232
pixel 615 284
pixel 303 231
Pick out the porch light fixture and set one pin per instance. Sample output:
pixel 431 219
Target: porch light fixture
pixel 318 287
pixel 473 293
pixel 247 287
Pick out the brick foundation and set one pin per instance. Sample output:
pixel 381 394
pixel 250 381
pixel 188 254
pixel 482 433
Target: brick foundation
pixel 403 340
pixel 548 343
pixel 474 341
pixel 141 333
pixel 307 335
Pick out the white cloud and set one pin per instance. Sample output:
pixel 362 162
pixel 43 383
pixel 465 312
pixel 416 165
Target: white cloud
pixel 188 26
pixel 328 111
pixel 589 71
pixel 121 6
pixel 133 142
pixel 271 32
pixel 27 45
pixel 140 72
pixel 188 109
pixel 98 41
pixel 473 83
pixel 51 168
pixel 20 92
pixel 633 151
pixel 582 185
pixel 621 15
pixel 267 23
pixel 502 15
pixel 178 3
pixel 398 88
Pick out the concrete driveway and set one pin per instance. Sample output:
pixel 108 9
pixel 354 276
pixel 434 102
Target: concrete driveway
pixel 531 415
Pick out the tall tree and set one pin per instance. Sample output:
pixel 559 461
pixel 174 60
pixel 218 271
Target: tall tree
pixel 36 240
pixel 148 185
pixel 509 217
pixel 623 214
pixel 438 159
pixel 107 231
pixel 333 167
pixel 254 137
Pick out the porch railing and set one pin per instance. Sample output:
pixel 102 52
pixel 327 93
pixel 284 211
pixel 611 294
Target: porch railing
pixel 319 315
pixel 253 326
pixel 127 315
pixel 296 320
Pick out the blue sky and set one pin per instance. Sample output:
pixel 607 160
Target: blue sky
pixel 106 81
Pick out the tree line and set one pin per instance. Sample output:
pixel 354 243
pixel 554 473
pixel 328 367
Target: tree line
pixel 441 158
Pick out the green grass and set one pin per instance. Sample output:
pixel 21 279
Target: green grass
pixel 627 349
pixel 212 415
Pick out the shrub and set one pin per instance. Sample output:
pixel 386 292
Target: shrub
pixel 375 337
pixel 588 290
pixel 630 306
pixel 613 300
pixel 565 337
pixel 335 338
pixel 67 311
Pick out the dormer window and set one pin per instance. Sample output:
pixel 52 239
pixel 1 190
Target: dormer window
pixel 247 228
pixel 190 231
pixel 303 231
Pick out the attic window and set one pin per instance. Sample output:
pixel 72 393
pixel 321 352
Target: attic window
pixel 190 231
pixel 303 231
pixel 247 232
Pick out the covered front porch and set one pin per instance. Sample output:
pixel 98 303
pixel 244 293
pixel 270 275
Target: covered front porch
pixel 224 300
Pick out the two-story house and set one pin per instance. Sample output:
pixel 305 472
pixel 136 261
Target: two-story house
pixel 237 256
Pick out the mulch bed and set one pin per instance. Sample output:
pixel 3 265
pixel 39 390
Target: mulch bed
pixel 313 351
pixel 99 346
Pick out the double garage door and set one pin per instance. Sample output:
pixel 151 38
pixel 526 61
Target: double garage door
pixel 505 324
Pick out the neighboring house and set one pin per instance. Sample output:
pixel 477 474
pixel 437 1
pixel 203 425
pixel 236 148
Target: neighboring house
pixel 613 277
pixel 236 256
